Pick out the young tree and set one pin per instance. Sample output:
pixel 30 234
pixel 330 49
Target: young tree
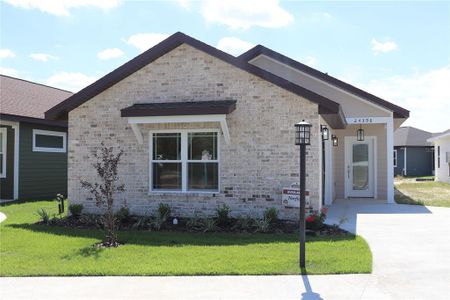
pixel 103 192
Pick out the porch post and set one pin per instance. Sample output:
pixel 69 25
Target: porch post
pixel 390 159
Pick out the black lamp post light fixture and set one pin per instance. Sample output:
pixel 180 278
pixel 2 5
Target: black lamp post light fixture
pixel 325 132
pixel 302 138
pixel 360 134
pixel 334 140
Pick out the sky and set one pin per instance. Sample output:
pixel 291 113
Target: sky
pixel 397 50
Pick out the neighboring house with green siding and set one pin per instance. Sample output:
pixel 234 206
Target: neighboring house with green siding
pixel 33 150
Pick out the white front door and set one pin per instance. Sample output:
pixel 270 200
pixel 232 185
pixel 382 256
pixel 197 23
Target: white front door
pixel 359 167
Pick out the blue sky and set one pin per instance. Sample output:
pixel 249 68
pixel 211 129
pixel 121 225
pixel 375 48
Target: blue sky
pixel 397 50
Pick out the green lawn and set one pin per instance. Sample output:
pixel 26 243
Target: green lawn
pixel 432 193
pixel 35 250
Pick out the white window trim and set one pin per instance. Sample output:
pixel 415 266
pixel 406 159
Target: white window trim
pixel 395 158
pixel 51 133
pixel 4 132
pixel 184 161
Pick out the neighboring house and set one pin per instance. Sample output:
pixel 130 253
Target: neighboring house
pixel 413 155
pixel 33 156
pixel 200 128
pixel 441 143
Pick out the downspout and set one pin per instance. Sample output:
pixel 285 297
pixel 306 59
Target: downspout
pixel 405 173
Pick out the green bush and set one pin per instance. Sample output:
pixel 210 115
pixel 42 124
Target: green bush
pixel 209 225
pixel 123 214
pixel 43 214
pixel 194 224
pixel 271 215
pixel 245 224
pixel 263 226
pixel 223 215
pixel 141 222
pixel 164 211
pixel 76 210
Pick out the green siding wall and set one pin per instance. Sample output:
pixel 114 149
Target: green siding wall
pixel 42 175
pixel 7 184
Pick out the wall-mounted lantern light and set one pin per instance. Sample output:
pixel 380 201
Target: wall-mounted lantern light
pixel 334 140
pixel 325 132
pixel 360 134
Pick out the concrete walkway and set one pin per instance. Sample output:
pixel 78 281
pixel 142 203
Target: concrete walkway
pixel 410 245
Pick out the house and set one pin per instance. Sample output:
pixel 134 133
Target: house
pixel 413 155
pixel 200 128
pixel 33 157
pixel 441 143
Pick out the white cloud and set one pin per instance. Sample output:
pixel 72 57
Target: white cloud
pixel 144 41
pixel 9 72
pixel 426 95
pixel 6 53
pixel 70 81
pixel 383 47
pixel 62 7
pixel 234 45
pixel 42 56
pixel 240 14
pixel 110 53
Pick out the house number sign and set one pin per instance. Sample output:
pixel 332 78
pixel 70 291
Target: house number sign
pixel 362 120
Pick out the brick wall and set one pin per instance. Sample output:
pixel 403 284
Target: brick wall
pixel 260 160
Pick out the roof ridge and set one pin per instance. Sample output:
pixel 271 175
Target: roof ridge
pixel 36 83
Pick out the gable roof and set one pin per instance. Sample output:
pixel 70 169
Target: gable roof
pixel 411 136
pixel 60 111
pixel 399 112
pixel 23 100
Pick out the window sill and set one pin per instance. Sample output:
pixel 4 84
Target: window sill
pixel 181 193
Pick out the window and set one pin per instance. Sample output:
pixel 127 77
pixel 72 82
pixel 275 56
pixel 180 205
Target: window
pixel 184 161
pixel 3 137
pixel 439 156
pixel 49 141
pixel 395 158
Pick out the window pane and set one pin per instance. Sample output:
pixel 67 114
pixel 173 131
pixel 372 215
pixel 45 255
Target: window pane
pixel 1 141
pixel 203 176
pixel 167 146
pixel 167 176
pixel 1 163
pixel 360 153
pixel 49 141
pixel 360 177
pixel 202 146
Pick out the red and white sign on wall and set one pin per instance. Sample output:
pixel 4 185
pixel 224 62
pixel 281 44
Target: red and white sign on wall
pixel 291 197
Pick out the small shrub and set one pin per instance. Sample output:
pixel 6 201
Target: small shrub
pixel 209 225
pixel 263 226
pixel 223 215
pixel 246 224
pixel 123 214
pixel 164 211
pixel 271 215
pixel 43 214
pixel 76 210
pixel 315 220
pixel 91 221
pixel 141 222
pixel 194 224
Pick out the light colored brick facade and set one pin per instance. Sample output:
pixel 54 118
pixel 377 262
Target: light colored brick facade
pixel 260 160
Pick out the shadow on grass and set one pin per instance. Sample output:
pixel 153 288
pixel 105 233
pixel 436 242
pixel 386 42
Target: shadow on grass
pixel 402 198
pixel 175 239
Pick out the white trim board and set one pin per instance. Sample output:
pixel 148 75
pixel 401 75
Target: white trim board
pixel 16 127
pixel 220 118
pixel 4 150
pixel 49 133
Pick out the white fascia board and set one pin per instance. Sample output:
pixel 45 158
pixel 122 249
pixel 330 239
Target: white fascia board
pixel 438 137
pixel 220 118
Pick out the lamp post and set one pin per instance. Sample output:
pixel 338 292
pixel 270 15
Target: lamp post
pixel 302 138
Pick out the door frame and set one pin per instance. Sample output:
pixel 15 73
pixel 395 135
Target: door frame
pixel 348 140
pixel 16 127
